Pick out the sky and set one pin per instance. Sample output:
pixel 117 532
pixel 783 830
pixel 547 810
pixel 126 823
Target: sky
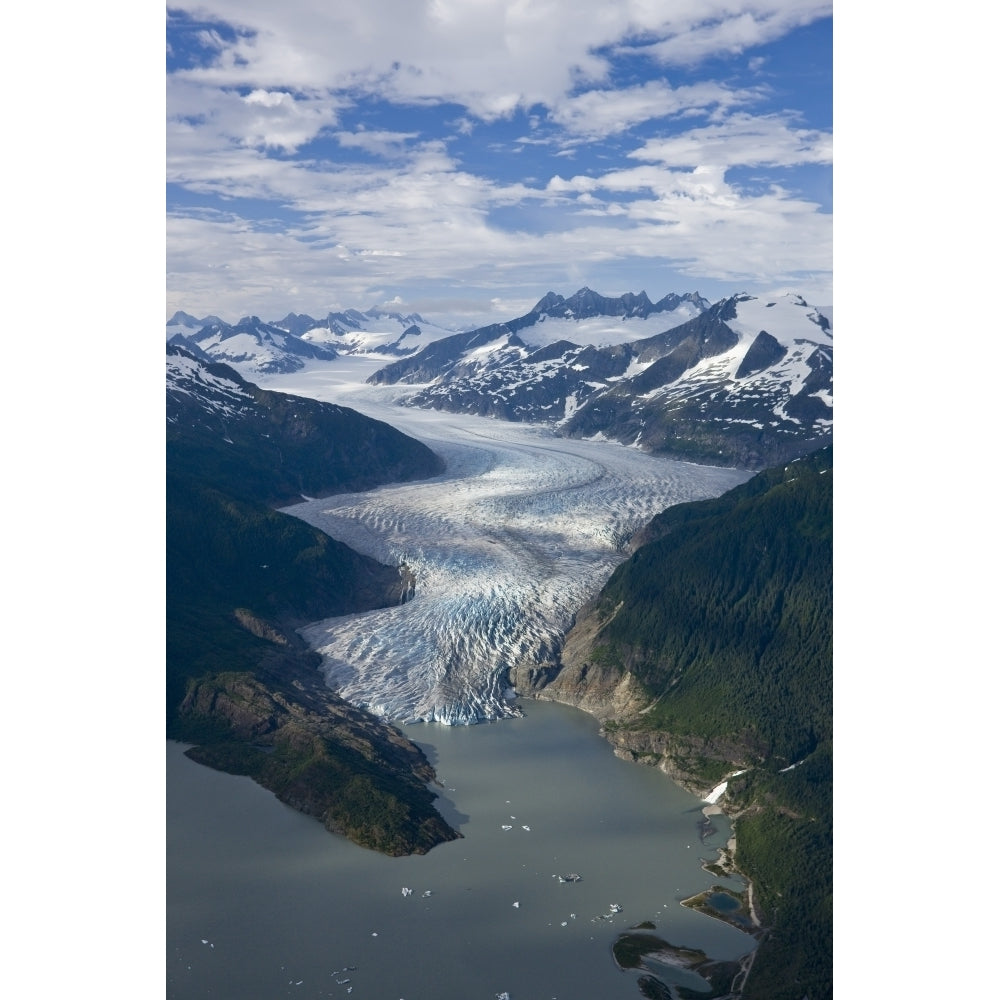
pixel 460 158
pixel 87 244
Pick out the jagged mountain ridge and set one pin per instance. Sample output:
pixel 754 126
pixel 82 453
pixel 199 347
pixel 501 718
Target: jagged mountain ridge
pixel 746 381
pixel 587 317
pixel 265 346
pixel 285 345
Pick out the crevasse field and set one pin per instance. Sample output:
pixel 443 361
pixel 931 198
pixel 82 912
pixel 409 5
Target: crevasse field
pixel 521 530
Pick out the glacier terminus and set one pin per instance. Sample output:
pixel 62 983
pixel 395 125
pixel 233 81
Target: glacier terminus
pixel 519 532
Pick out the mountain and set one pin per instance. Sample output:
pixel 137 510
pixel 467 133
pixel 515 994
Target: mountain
pixel 241 684
pixel 709 652
pixel 748 383
pixel 286 345
pixel 586 318
pixel 264 347
pixel 272 447
pixel 375 332
pixel 744 382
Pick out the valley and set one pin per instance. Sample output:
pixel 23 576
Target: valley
pixel 520 531
pixel 518 558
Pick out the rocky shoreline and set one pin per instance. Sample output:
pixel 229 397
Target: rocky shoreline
pixel 282 726
pixel 659 750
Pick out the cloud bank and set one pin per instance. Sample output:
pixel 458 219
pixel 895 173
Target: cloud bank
pixel 322 156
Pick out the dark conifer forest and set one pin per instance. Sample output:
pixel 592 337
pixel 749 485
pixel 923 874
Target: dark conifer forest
pixel 724 615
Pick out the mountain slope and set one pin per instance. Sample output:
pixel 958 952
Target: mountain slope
pixel 241 577
pixel 584 319
pixel 275 447
pixel 744 382
pixel 287 344
pixel 748 383
pixel 709 652
pixel 263 346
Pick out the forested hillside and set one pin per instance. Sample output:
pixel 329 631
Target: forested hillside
pixel 241 684
pixel 720 629
pixel 725 614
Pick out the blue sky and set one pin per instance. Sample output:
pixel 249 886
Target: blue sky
pixel 462 157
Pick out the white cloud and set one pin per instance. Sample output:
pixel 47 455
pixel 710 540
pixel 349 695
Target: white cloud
pixel 379 142
pixel 263 118
pixel 211 39
pixel 403 227
pixel 742 140
pixel 432 204
pixel 724 30
pixel 606 112
pixel 490 56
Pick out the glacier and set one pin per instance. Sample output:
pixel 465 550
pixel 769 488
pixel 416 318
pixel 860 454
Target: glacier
pixel 519 532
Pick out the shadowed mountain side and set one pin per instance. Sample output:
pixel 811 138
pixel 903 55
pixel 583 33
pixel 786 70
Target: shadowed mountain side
pixel 273 447
pixel 241 577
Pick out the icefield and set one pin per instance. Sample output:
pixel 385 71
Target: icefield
pixel 520 531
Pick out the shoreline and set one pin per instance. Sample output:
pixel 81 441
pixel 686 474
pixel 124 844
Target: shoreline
pixel 726 862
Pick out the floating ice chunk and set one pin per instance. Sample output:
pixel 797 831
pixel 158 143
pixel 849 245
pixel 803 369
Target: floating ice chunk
pixel 407 892
pixel 528 828
pixel 516 905
pixel 506 826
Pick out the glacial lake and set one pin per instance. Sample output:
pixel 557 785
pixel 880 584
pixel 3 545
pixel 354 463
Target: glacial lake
pixel 262 902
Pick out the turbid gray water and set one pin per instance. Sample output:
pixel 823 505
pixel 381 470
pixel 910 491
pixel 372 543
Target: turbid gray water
pixel 262 902
pixel 506 545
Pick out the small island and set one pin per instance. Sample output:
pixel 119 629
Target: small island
pixel 645 951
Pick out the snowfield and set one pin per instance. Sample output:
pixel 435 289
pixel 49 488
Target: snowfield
pixel 520 531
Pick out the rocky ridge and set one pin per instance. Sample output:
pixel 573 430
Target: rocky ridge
pixel 241 578
pixel 282 726
pixel 743 382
